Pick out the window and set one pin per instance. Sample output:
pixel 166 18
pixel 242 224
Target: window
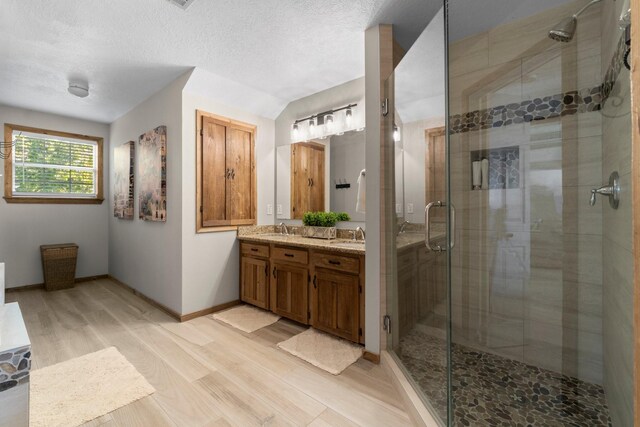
pixel 52 167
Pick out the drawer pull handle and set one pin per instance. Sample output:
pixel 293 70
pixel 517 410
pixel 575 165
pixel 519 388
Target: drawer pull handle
pixel 274 272
pixel 289 255
pixel 315 282
pixel 254 249
pixel 333 262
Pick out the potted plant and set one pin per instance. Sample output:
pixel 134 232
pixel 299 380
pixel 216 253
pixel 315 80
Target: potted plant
pixel 321 225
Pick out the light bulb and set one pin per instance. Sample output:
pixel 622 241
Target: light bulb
pixel 328 123
pixel 312 127
pixel 296 131
pixel 396 133
pixel 348 116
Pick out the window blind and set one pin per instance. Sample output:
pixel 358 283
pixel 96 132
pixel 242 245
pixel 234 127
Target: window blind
pixel 45 165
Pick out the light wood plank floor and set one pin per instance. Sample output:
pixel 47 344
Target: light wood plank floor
pixel 205 373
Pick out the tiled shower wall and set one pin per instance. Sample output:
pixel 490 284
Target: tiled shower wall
pixel 527 270
pixel 616 237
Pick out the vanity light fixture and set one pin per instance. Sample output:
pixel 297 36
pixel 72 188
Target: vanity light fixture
pixel 322 125
pixel 328 123
pixel 312 127
pixel 396 133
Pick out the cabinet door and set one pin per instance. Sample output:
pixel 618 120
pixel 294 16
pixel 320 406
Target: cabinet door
pixel 316 173
pixel 254 281
pixel 239 197
pixel 289 292
pixel 335 303
pixel 300 180
pixel 214 181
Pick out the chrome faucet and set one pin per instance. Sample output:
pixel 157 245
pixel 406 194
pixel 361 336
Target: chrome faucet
pixel 403 226
pixel 355 233
pixel 283 229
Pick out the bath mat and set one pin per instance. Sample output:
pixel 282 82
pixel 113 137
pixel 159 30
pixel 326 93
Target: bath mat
pixel 81 389
pixel 247 318
pixel 327 352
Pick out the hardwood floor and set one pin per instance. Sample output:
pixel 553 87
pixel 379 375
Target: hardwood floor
pixel 205 373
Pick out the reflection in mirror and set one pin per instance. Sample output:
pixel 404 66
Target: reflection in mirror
pixel 320 175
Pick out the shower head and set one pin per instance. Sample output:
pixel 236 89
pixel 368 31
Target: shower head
pixel 566 29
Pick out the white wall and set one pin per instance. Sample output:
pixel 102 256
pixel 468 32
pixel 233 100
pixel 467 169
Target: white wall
pixel 24 227
pixel 210 261
pixel 348 153
pixel 143 254
pixel 415 145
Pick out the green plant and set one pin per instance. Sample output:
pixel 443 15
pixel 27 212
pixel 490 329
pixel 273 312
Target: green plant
pixel 323 219
pixel 343 216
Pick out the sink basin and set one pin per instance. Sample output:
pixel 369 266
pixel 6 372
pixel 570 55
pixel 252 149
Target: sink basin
pixel 348 244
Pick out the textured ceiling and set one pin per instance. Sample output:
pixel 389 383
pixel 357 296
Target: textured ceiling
pixel 128 50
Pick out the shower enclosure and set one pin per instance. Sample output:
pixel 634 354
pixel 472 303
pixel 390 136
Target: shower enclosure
pixel 513 298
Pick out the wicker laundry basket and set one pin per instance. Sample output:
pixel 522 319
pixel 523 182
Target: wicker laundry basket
pixel 59 265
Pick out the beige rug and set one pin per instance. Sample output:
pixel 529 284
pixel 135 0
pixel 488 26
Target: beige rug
pixel 327 352
pixel 81 389
pixel 247 318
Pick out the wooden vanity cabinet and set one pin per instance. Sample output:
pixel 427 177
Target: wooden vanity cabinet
pixel 335 303
pixel 254 274
pixel 289 291
pixel 318 288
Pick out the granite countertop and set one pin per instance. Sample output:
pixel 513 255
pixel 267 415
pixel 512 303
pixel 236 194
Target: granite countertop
pixel 336 245
pixel 411 239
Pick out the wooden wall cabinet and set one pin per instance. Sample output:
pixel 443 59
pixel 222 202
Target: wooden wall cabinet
pixel 307 178
pixel 317 288
pixel 225 171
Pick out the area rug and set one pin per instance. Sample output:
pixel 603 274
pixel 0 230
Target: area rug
pixel 81 389
pixel 327 352
pixel 247 318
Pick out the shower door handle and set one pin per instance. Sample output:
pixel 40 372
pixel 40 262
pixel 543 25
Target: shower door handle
pixel 427 227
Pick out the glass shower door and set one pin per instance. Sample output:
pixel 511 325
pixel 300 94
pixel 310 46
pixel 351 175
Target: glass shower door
pixel 516 308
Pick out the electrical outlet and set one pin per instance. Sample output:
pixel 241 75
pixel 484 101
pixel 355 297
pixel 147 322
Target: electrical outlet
pixel 269 209
pixel 398 208
pixel 279 209
pixel 410 208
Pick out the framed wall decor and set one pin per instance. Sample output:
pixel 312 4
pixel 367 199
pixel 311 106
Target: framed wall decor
pixel 152 175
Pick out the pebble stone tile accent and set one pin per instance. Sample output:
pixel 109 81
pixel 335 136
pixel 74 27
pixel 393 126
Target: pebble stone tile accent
pixel 495 391
pixel 14 368
pixel 547 107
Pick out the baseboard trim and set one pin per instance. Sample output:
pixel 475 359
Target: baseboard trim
pixel 371 357
pixel 209 310
pixel 151 301
pixel 170 312
pixel 416 409
pixel 41 285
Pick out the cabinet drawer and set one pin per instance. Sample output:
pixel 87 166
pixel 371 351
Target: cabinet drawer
pixel 300 256
pixel 337 262
pixel 255 249
pixel 406 259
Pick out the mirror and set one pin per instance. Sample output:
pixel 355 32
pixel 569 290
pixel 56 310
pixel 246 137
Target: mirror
pixel 320 175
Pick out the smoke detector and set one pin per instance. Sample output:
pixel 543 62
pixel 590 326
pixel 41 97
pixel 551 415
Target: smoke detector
pixel 79 89
pixel 182 4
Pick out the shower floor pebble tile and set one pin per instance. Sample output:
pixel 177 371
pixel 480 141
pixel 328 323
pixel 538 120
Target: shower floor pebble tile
pixel 495 391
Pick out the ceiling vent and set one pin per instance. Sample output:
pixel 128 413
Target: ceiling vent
pixel 182 4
